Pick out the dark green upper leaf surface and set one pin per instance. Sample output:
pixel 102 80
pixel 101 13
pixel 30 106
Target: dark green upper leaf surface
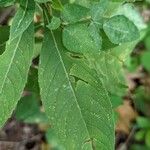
pixel 80 38
pixel 14 66
pixel 81 116
pixel 23 18
pixel 120 29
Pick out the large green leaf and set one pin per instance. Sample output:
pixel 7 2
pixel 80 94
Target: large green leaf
pixel 23 18
pixel 14 66
pixel 81 113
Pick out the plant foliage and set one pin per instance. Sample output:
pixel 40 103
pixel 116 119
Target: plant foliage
pixel 80 71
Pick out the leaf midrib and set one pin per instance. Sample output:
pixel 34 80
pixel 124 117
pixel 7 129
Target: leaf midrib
pixel 10 64
pixel 65 70
pixel 23 15
pixel 116 29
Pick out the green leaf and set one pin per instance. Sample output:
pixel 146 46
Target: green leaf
pixel 143 122
pixel 14 66
pixel 95 35
pixel 56 4
pixel 139 147
pixel 81 116
pixel 133 14
pixel 85 3
pixel 147 40
pixel 106 43
pixel 72 13
pixel 55 23
pixel 42 1
pixel 147 137
pixel 52 140
pixel 32 82
pixel 4 3
pixel 110 70
pixel 112 8
pixel 28 110
pixel 78 38
pixel 140 135
pixel 98 9
pixel 4 32
pixel 23 18
pixel 4 36
pixel 145 60
pixel 120 29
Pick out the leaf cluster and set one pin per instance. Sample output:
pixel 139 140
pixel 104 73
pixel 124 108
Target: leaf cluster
pixel 80 71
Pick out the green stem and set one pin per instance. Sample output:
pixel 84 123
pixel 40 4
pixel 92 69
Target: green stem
pixel 46 13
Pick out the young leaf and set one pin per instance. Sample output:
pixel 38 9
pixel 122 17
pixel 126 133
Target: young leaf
pixel 81 116
pixel 55 23
pixel 72 13
pixel 120 29
pixel 23 18
pixel 98 9
pixel 78 38
pixel 14 66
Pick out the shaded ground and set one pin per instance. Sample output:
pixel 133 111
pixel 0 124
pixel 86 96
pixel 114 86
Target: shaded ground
pixel 21 136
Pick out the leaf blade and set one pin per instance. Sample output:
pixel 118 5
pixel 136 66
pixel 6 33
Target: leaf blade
pixel 51 92
pixel 61 100
pixel 120 29
pixel 23 18
pixel 15 62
